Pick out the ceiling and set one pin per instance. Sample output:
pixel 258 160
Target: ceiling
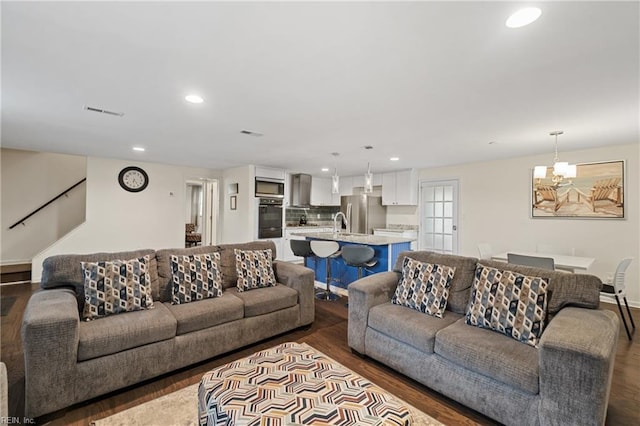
pixel 430 82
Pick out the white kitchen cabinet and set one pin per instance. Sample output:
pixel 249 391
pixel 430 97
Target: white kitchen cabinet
pixel 400 188
pixel 267 172
pixel 321 192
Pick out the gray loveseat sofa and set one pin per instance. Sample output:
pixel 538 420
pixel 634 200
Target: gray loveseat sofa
pixel 68 360
pixel 564 381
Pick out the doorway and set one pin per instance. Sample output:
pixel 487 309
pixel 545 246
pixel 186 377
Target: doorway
pixel 439 216
pixel 201 213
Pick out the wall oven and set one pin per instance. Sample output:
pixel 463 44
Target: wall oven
pixel 270 215
pixel 267 187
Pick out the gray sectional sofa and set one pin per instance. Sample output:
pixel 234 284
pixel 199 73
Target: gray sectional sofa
pixel 68 360
pixel 564 381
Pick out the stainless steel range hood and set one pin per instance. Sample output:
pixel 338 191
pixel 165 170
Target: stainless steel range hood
pixel 301 190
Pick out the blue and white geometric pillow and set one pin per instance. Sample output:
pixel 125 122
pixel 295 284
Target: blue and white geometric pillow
pixel 509 303
pixel 116 286
pixel 195 277
pixel 254 269
pixel 424 286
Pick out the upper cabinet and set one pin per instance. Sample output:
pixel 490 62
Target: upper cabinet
pixel 400 188
pixel 321 193
pixel 266 172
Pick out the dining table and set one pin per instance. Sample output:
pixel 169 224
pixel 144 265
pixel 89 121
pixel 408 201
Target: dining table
pixel 575 264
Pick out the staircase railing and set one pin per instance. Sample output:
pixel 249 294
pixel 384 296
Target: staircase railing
pixel 21 221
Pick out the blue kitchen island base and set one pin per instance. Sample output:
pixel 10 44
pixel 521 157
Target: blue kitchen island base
pixel 342 274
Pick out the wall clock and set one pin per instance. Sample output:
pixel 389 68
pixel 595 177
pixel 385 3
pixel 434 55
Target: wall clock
pixel 133 179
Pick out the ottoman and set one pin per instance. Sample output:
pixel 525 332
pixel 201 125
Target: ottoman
pixel 293 384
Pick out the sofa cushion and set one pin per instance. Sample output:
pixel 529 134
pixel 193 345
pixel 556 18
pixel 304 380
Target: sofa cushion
pixel 65 271
pixel 128 330
pixel 509 303
pixel 165 282
pixel 113 287
pixel 580 290
pixel 195 277
pixel 424 287
pixel 206 313
pixel 228 259
pixel 254 269
pixel 490 354
pixel 268 299
pixel 408 325
pixel 460 288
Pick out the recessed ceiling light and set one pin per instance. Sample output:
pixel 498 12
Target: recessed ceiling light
pixel 325 169
pixel 194 99
pixel 394 158
pixel 138 148
pixel 523 17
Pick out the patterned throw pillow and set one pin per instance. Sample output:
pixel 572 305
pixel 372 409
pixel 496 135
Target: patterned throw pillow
pixel 116 286
pixel 424 286
pixel 254 269
pixel 509 303
pixel 195 277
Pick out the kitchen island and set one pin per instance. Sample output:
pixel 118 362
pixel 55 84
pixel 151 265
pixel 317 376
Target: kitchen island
pixel 386 251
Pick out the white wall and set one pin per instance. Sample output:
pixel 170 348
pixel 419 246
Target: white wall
pixel 402 215
pixel 30 179
pixel 238 225
pixel 119 220
pixel 495 208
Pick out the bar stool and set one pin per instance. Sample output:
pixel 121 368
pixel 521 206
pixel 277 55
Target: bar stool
pixel 326 250
pixel 302 248
pixel 359 257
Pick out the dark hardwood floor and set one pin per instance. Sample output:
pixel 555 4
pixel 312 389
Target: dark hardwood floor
pixel 327 334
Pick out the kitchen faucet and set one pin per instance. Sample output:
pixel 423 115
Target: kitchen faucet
pixel 335 222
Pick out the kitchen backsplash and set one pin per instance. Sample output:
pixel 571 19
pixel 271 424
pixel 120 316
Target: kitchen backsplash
pixel 314 214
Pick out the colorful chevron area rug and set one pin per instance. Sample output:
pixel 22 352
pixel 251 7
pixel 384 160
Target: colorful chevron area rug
pixel 290 384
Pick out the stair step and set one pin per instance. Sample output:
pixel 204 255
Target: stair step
pixel 15 272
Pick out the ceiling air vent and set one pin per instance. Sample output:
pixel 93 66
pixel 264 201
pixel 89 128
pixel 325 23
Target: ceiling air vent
pixel 251 133
pixel 103 111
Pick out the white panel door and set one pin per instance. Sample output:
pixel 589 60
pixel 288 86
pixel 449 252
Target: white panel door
pixel 439 216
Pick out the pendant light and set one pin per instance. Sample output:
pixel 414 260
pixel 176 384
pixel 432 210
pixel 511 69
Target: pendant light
pixel 368 176
pixel 335 179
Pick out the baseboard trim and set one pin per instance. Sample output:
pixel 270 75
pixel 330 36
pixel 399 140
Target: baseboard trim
pixel 632 303
pixel 14 283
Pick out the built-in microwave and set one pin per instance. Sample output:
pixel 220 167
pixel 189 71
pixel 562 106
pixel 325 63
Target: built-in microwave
pixel 271 188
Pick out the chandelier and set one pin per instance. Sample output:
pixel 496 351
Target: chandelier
pixel 561 169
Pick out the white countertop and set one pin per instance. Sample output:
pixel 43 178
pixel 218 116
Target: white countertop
pixel 368 239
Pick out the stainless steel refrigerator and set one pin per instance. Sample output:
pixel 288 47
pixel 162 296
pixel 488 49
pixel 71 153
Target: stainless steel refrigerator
pixel 363 212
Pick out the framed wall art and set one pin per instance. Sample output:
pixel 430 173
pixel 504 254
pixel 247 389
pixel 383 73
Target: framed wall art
pixel 596 191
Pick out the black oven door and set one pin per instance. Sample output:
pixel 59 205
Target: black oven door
pixel 270 218
pixel 270 233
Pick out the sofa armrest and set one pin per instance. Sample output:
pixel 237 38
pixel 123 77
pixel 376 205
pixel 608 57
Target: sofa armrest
pixel 577 353
pixel 301 279
pixel 50 335
pixel 364 294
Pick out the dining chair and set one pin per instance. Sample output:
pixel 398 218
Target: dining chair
pixel 534 261
pixel 615 288
pixel 485 250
